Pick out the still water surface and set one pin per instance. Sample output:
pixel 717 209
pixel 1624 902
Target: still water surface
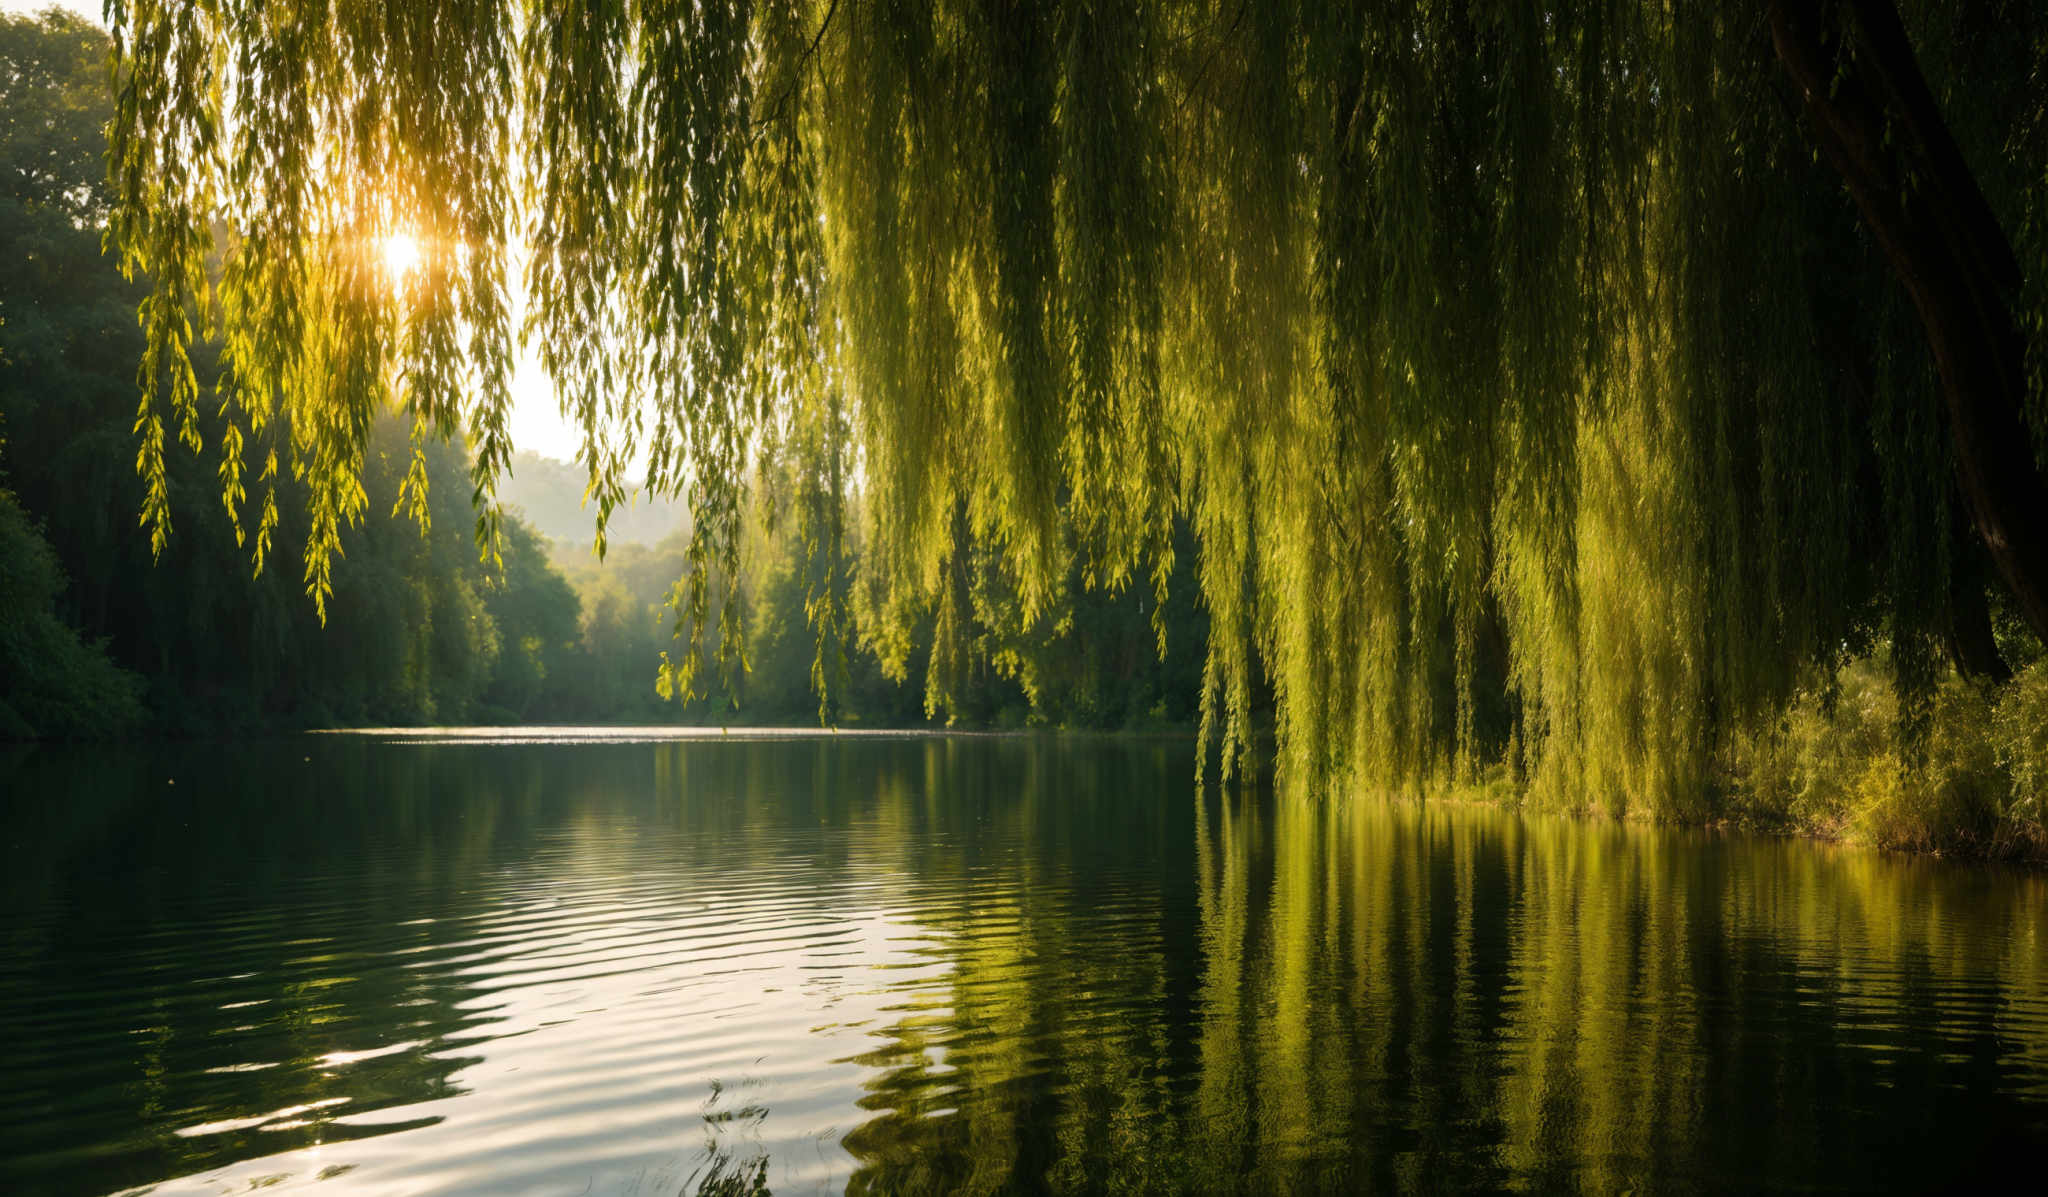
pixel 439 964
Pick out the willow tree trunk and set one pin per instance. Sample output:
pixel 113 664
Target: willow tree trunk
pixel 1971 644
pixel 1878 124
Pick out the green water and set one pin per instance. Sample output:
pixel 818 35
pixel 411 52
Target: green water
pixel 430 964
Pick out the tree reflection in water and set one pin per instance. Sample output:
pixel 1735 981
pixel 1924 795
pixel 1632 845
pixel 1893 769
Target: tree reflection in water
pixel 1392 996
pixel 966 965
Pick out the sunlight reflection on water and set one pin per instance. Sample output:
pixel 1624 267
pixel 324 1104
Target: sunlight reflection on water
pixel 606 960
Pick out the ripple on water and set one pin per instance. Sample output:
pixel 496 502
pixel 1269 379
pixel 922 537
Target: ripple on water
pixel 619 961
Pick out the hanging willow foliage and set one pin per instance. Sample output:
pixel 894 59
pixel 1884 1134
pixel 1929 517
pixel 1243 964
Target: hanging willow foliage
pixel 1490 349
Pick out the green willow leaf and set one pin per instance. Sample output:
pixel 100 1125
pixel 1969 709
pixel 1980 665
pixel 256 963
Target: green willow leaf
pixel 1536 402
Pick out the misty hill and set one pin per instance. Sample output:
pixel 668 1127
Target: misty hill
pixel 550 494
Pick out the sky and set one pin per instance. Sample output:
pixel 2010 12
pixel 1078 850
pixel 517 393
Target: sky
pixel 85 8
pixel 537 422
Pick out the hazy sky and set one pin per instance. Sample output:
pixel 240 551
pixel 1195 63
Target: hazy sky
pixel 89 8
pixel 537 422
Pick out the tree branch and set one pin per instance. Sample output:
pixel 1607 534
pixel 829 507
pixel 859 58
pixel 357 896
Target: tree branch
pixel 1877 123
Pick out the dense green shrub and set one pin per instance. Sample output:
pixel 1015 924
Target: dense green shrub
pixel 2019 732
pixel 52 683
pixel 1965 773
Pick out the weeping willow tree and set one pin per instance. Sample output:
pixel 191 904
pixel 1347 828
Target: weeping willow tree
pixel 1638 356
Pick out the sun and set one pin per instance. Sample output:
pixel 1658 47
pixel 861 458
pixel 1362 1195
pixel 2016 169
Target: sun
pixel 401 256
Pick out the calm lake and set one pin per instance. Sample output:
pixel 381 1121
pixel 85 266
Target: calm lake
pixel 613 963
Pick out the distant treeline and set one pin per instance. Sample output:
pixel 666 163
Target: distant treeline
pixel 549 494
pixel 99 636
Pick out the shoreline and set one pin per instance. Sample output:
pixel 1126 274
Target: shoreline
pixel 1836 833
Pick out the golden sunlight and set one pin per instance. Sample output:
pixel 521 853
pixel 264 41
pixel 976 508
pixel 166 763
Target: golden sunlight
pixel 401 256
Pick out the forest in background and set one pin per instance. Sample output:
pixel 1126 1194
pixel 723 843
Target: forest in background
pixel 99 637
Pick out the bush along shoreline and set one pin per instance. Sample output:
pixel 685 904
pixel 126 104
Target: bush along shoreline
pixel 1964 774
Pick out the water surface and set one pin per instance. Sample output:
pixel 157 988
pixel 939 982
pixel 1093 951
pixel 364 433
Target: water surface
pixel 630 964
